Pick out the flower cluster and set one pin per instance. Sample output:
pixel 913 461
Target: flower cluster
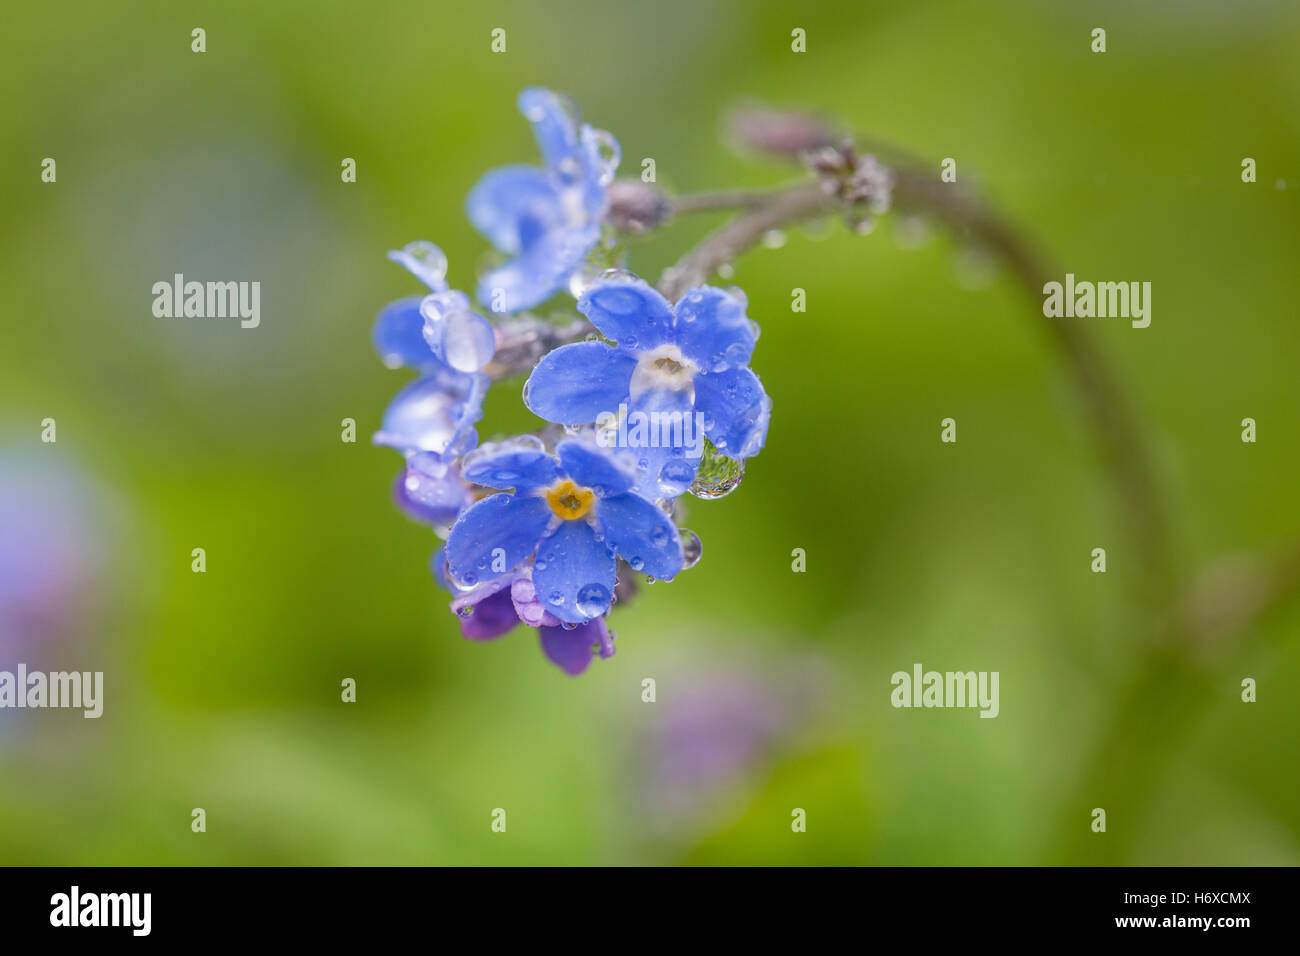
pixel 550 529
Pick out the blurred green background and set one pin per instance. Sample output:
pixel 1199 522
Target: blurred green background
pixel 223 688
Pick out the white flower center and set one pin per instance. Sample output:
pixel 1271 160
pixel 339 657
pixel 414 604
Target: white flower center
pixel 664 368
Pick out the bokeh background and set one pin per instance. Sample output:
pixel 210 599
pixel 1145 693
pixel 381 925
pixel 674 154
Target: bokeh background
pixel 223 688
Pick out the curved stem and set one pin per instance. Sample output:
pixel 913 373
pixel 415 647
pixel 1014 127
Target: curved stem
pixel 720 199
pixel 1112 421
pixel 782 208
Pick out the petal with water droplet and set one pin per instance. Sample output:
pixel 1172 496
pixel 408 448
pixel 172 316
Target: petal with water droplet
pixel 636 529
pixel 736 411
pixel 510 523
pixel 579 562
pixel 713 330
pixel 575 383
pixel 630 312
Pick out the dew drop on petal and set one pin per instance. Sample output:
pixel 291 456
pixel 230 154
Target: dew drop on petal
pixel 468 341
pixel 718 475
pixel 593 600
pixel 675 477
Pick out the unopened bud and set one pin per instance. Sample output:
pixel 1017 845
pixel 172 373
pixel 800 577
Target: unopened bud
pixel 636 206
pixel 786 133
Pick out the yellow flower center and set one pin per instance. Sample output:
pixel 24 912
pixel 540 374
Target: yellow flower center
pixel 569 501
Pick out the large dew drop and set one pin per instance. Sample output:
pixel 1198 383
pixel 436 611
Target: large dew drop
pixel 719 475
pixel 468 341
pixel 593 600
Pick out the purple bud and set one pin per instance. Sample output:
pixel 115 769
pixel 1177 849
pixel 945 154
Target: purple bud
pixel 786 133
pixel 636 207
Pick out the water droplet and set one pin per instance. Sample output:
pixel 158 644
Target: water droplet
pixel 466 611
pixel 555 597
pixel 774 239
pixel 718 475
pixel 636 563
pixel 692 548
pixel 423 260
pixel 675 477
pixel 727 270
pixel 593 600
pixel 607 150
pixel 737 354
pixel 468 341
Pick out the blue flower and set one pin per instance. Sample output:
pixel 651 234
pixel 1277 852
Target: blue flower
pixel 572 512
pixel 547 218
pixel 674 372
pixel 447 344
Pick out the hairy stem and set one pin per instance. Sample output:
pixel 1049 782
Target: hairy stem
pixel 774 210
pixel 720 199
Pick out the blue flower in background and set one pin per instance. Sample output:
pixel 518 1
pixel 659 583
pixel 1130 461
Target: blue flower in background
pixel 687 364
pixel 448 344
pixel 574 511
pixel 547 218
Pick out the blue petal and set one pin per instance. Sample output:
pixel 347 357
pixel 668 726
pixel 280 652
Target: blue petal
pixel 399 335
pixel 574 573
pixel 429 490
pixel 511 523
pixel 599 469
pixel 514 206
pixel 666 435
pixel 575 384
pixel 509 465
pixel 435 414
pixel 665 472
pixel 713 330
pixel 641 534
pixel 554 126
pixel 736 411
pixel 542 269
pixel 630 312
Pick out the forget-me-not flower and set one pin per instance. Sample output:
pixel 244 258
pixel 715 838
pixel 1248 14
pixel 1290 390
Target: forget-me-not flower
pixel 573 512
pixel 690 361
pixel 547 218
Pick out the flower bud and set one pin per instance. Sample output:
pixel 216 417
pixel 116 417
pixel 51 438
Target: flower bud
pixel 636 207
pixel 786 133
